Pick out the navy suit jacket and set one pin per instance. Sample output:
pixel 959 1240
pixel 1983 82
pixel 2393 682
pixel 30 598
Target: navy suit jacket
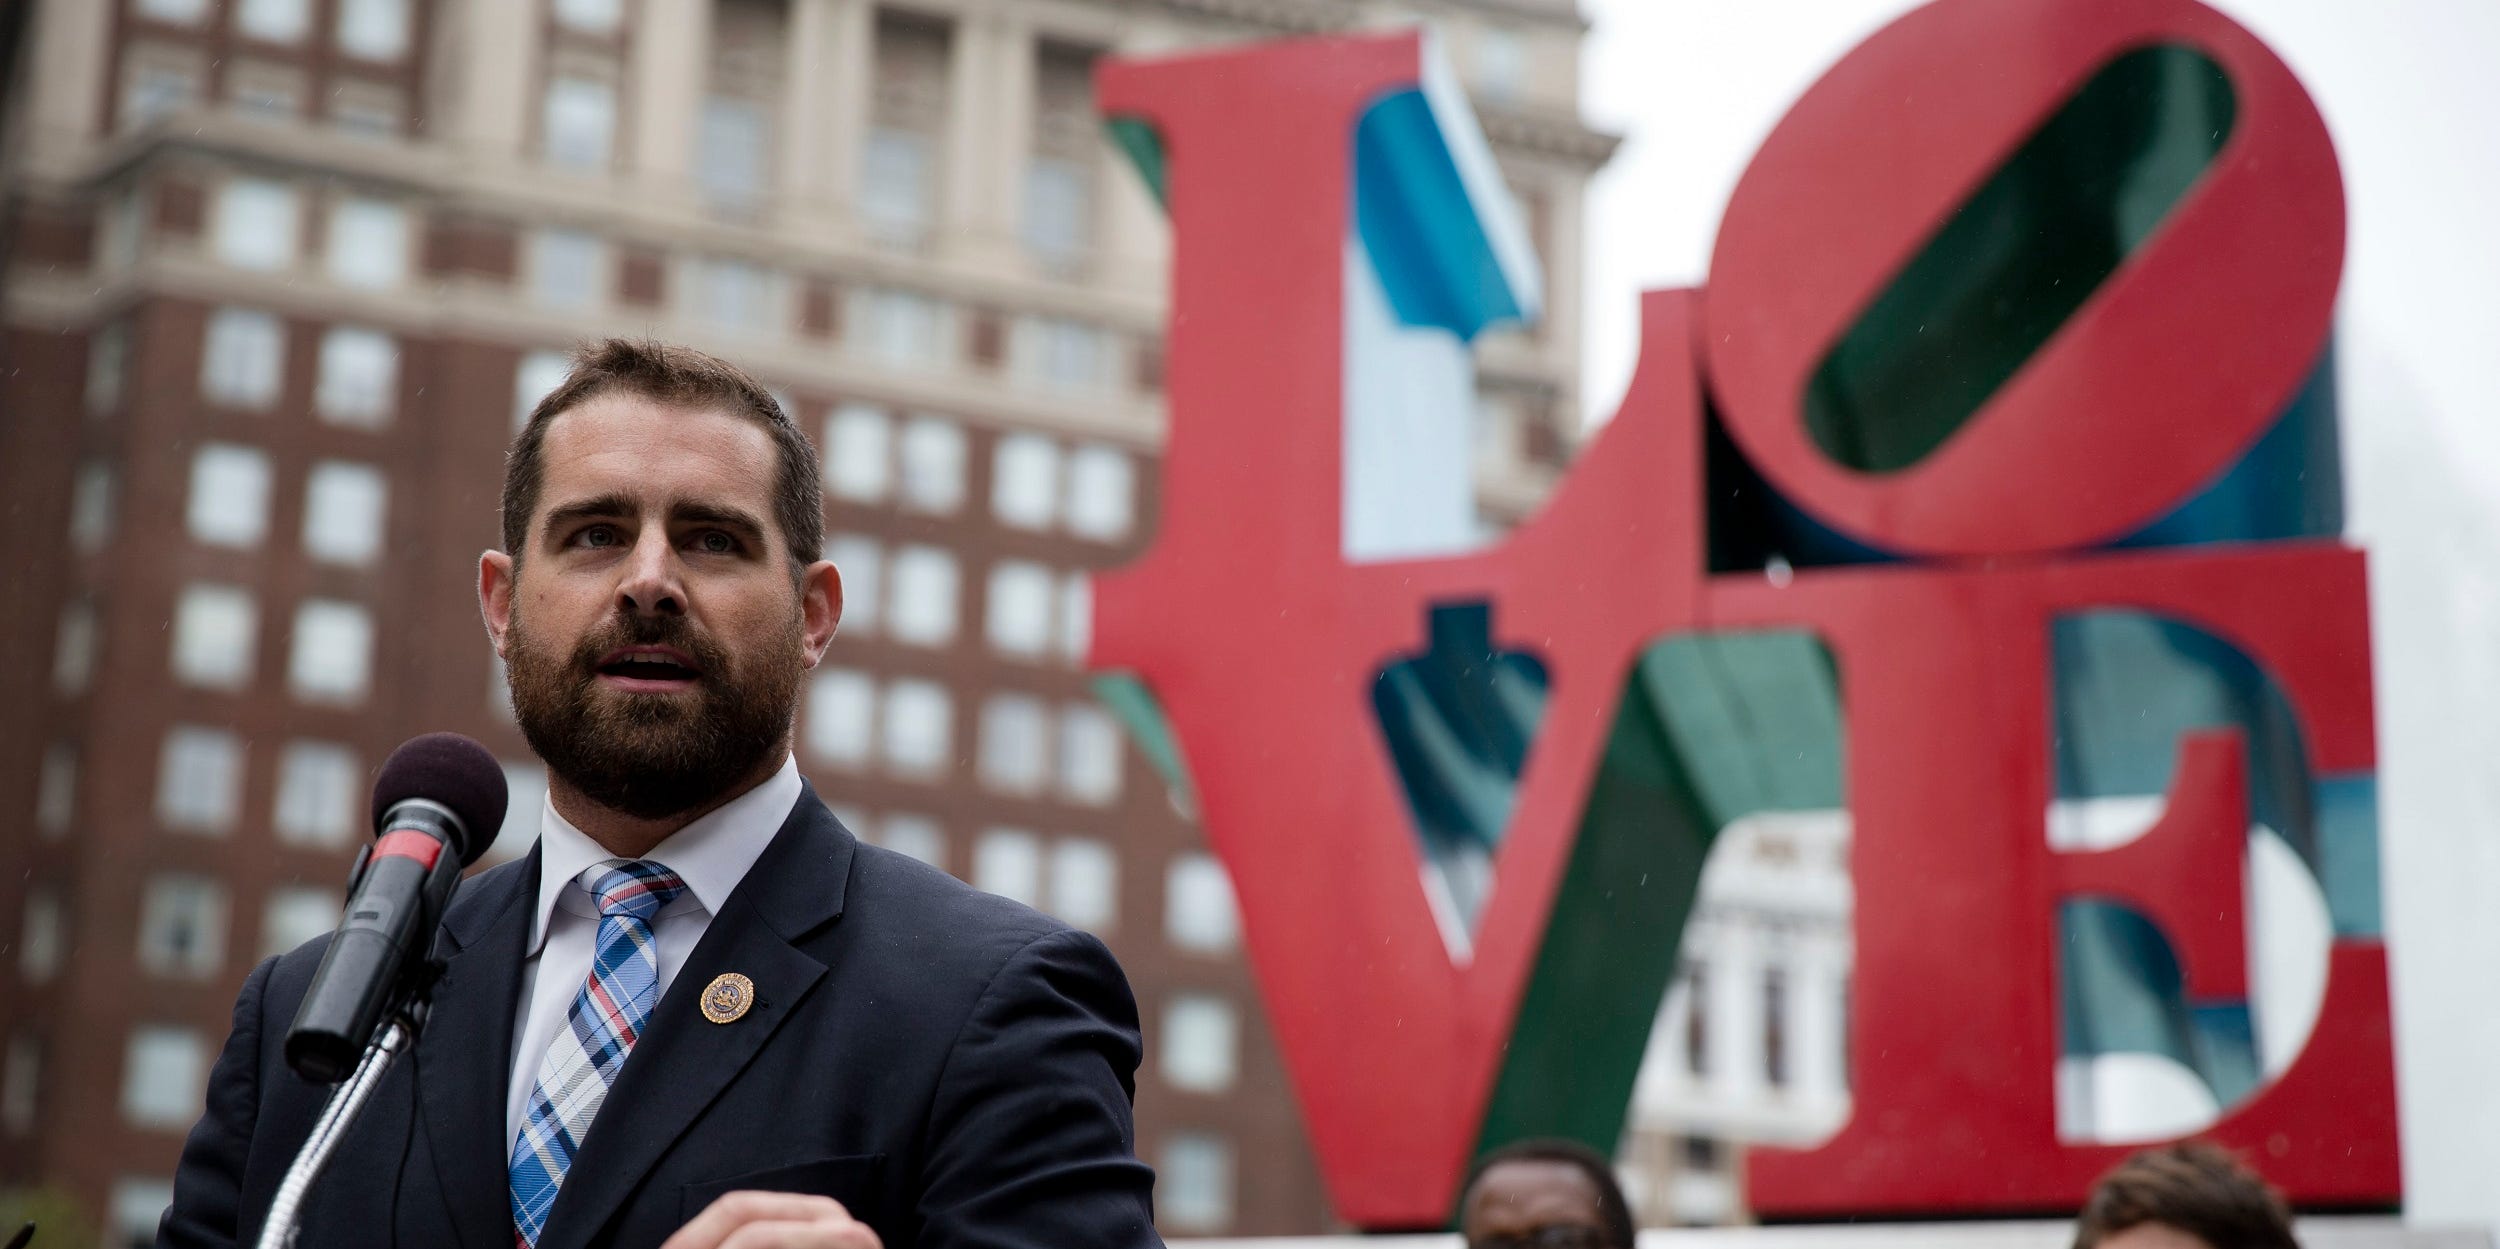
pixel 955 1069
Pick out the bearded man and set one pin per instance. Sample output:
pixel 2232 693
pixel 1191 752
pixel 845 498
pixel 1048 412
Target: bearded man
pixel 699 1013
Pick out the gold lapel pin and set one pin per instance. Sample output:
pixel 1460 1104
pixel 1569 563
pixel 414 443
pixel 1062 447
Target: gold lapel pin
pixel 727 998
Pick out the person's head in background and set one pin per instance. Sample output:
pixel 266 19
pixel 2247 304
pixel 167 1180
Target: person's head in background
pixel 1544 1194
pixel 2191 1196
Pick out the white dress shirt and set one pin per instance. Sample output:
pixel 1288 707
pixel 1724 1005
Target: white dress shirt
pixel 711 855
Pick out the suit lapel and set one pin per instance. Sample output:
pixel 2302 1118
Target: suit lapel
pixel 464 1056
pixel 684 1060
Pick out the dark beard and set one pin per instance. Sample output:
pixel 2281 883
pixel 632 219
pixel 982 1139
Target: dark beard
pixel 653 756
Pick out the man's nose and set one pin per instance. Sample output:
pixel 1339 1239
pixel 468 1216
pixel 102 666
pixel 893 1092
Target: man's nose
pixel 654 584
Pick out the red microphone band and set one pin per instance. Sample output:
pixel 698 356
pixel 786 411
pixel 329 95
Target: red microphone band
pixel 408 843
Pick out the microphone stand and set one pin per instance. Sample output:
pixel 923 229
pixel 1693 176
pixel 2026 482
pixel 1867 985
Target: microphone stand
pixel 395 1037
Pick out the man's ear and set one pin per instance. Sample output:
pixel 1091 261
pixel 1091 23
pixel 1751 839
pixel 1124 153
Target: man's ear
pixel 820 607
pixel 494 596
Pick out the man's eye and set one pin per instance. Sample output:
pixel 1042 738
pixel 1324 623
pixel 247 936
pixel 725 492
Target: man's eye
pixel 598 535
pixel 714 542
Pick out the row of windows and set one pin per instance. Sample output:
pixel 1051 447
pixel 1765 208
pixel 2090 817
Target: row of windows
pixel 376 30
pixel 243 365
pixel 910 592
pixel 1036 483
pixel 159 79
pixel 229 503
pixel 182 926
pixel 921 462
pixel 907 724
pixel 216 637
pixel 258 226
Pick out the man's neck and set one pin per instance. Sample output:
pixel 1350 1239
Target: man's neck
pixel 631 836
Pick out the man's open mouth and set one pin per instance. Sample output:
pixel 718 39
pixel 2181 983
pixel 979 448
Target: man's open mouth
pixel 649 667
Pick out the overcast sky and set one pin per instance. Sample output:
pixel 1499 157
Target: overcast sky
pixel 2410 92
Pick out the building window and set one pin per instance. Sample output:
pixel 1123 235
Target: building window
pixel 56 790
pixel 1697 1020
pixel 333 653
pixel 41 937
pixel 187 12
pixel 163 1077
pixel 1025 481
pixel 1058 211
pixel 1196 1189
pixel 343 506
pixel 265 91
pixel 841 716
pixel 859 453
pixel 580 121
pixel 108 364
pixel 1085 883
pixel 933 466
pixel 1008 862
pixel 376 30
pixel 596 17
pixel 1089 755
pixel 1199 913
pixel 359 382
pixel 294 915
pixel 120 232
pixel 138 1205
pixel 91 507
pixel 919 728
pixel 915 835
pixel 199 784
pixel 243 358
pixel 152 90
pixel 904 329
pixel 368 110
pixel 861 561
pixel 229 504
pixel 1775 1028
pixel 21 1074
pixel 922 609
pixel 1019 611
pixel 1102 493
pixel 319 784
pixel 73 649
pixel 368 246
pixel 568 269
pixel 1200 1042
pixel 734 296
pixel 1015 743
pixel 524 813
pixel 257 224
pixel 731 155
pixel 895 185
pixel 1501 64
pixel 182 926
pixel 1056 353
pixel 215 629
pixel 539 375
pixel 278 21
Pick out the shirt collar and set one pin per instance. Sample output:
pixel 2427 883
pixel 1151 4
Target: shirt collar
pixel 711 854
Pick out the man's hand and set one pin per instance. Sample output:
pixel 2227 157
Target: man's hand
pixel 750 1220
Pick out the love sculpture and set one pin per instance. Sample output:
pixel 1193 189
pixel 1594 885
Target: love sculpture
pixel 2015 347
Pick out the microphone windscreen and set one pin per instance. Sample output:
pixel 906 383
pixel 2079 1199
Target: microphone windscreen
pixel 452 770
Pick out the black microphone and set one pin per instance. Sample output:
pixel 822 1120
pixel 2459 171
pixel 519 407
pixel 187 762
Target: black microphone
pixel 436 806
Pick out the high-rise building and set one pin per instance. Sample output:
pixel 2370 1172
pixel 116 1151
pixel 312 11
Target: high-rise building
pixel 282 275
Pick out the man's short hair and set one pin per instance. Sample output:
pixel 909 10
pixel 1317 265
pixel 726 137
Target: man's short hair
pixel 680 377
pixel 2198 1188
pixel 1612 1210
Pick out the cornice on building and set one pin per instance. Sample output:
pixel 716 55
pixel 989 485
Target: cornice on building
pixel 1547 133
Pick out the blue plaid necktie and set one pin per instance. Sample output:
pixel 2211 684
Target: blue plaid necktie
pixel 606 1019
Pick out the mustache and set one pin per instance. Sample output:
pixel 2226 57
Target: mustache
pixel 673 631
